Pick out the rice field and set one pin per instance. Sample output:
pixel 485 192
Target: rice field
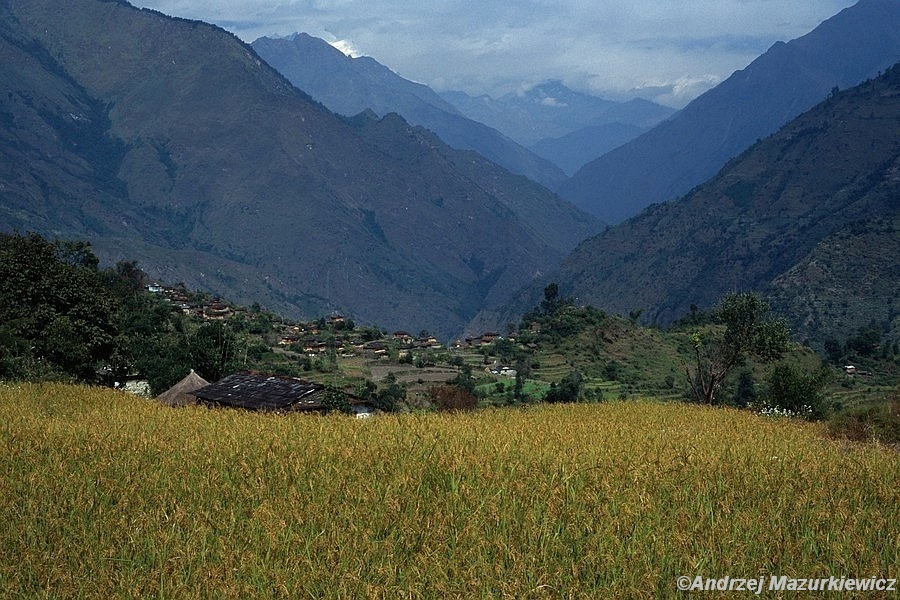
pixel 109 496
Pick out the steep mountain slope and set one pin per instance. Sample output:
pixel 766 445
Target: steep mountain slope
pixel 781 212
pixel 351 85
pixel 171 142
pixel 692 146
pixel 849 280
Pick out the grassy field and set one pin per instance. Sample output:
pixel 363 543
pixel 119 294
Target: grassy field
pixel 105 495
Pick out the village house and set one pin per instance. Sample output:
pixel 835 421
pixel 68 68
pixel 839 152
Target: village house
pixel 375 349
pixel 482 340
pixel 288 339
pixel 336 320
pixel 217 311
pixel 403 337
pixel 504 371
pixel 258 391
pixel 428 343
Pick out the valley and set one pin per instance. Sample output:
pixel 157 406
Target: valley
pixel 278 322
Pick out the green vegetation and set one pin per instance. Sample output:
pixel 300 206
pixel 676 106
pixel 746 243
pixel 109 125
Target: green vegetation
pixel 63 318
pixel 747 330
pixel 104 495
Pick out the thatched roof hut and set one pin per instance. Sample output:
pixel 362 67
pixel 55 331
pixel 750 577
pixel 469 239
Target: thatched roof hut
pixel 180 394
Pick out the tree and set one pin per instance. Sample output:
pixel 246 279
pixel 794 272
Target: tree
pixel 390 395
pixel 792 390
pixel 865 341
pixel 215 350
pixel 744 330
pixel 54 308
pixel 464 378
pixel 568 390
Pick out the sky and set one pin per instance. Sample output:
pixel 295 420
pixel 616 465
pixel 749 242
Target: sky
pixel 669 51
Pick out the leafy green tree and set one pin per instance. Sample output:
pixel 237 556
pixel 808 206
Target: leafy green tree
pixel 567 390
pixel 76 253
pixel 54 307
pixel 464 378
pixel 790 389
pixel 553 302
pixel 550 304
pixel 391 394
pixel 129 280
pixel 611 370
pixel 865 342
pixel 523 371
pixel 215 350
pixel 745 330
pixel 163 360
pixel 746 389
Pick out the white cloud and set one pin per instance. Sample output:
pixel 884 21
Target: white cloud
pixel 548 101
pixel 346 47
pixel 612 46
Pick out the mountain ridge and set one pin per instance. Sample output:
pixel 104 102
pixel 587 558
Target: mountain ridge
pixel 762 224
pixel 754 102
pixel 172 143
pixel 349 86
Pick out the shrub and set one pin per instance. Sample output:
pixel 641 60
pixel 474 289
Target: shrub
pixel 794 393
pixel 568 390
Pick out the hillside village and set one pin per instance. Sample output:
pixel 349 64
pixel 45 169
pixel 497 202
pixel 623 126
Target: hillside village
pixel 334 333
pixel 609 357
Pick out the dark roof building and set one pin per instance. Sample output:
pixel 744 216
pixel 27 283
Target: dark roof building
pixel 257 391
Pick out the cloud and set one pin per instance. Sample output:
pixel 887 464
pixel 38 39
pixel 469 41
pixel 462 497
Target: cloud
pixel 346 47
pixel 553 102
pixel 614 46
pixel 677 93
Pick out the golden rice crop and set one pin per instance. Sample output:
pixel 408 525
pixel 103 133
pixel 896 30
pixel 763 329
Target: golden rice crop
pixel 105 495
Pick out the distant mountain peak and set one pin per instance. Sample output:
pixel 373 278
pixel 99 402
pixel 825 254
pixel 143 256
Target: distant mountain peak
pixel 551 109
pixel 350 85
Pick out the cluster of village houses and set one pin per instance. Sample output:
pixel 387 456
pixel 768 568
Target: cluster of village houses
pixel 304 337
pixel 258 391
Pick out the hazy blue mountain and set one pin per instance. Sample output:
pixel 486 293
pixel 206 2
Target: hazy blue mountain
pixel 810 216
pixel 573 150
pixel 552 110
pixel 693 145
pixel 351 85
pixel 171 142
